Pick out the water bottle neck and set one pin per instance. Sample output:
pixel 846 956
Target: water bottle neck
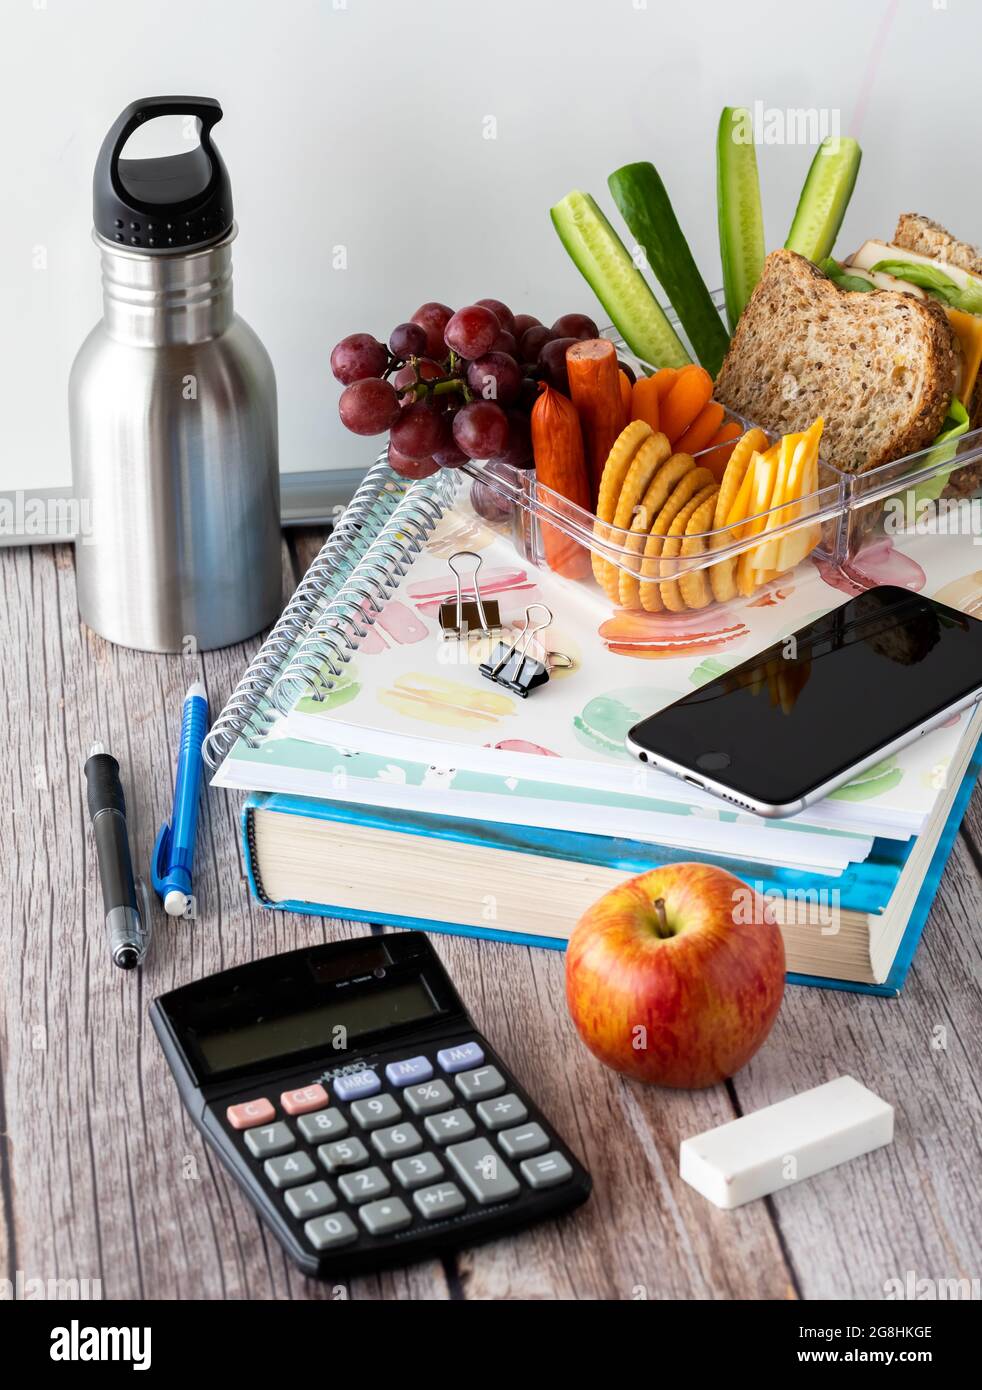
pixel 152 301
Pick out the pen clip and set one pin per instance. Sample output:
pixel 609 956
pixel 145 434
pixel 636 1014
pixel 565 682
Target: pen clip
pixel 160 859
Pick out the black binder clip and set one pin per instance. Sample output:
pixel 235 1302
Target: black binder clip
pixel 468 617
pixel 513 667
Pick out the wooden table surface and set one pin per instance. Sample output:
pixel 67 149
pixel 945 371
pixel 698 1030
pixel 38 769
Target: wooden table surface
pixel 102 1176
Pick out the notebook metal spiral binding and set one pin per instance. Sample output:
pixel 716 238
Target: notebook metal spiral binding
pixel 246 714
pixel 319 663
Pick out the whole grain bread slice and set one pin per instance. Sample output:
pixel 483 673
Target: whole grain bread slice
pixel 920 234
pixel 880 368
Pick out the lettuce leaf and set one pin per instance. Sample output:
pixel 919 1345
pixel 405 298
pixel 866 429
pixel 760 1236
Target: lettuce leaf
pixel 843 279
pixel 930 278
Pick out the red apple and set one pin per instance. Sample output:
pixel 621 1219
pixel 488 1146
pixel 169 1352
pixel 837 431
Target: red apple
pixel 676 976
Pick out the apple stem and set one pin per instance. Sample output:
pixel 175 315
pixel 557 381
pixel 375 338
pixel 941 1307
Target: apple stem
pixel 661 918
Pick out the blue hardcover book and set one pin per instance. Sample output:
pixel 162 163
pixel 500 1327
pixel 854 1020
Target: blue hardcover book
pixel 370 864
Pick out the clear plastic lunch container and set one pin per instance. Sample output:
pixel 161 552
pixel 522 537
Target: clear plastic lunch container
pixel 840 522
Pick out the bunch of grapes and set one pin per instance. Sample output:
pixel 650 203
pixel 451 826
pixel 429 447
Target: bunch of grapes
pixel 452 386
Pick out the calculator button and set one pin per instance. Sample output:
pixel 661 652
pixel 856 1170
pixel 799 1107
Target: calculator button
pixel 420 1169
pixel 380 1110
pixel 307 1098
pixel 290 1169
pixel 346 1153
pixel 455 1124
pixel 324 1124
pixel 364 1186
pixel 379 1218
pixel 547 1171
pixel 483 1172
pixel 328 1232
pixel 446 1199
pixel 249 1113
pixel 311 1200
pixel 524 1139
pixel 431 1096
pixel 398 1139
pixel 475 1085
pixel 267 1140
pixel 458 1058
pixel 356 1085
pixel 506 1110
pixel 412 1069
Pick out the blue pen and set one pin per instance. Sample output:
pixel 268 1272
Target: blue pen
pixel 173 854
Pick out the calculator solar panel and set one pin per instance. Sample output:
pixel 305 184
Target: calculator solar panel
pixel 362 1113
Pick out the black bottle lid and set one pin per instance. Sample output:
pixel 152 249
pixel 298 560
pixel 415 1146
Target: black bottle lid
pixel 181 202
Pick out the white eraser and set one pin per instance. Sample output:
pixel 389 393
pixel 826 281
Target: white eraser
pixel 783 1143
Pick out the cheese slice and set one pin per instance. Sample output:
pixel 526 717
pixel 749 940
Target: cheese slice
pixel 967 328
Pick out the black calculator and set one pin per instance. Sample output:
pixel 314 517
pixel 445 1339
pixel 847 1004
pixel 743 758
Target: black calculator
pixel 364 1116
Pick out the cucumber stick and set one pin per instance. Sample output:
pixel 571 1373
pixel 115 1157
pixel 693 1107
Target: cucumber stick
pixel 824 198
pixel 640 194
pixel 602 258
pixel 741 222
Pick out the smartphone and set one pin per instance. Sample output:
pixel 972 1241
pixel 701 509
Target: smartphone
pixel 798 720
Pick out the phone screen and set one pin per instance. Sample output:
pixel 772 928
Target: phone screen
pixel 812 706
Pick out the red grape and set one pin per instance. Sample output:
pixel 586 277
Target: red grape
pixel 408 340
pixel 369 406
pixel 450 456
pixel 471 331
pixel 552 360
pixel 518 451
pixel 419 431
pixel 433 317
pixel 502 313
pixel 629 372
pixel 524 322
pixel 357 356
pixel 575 326
pixel 495 377
pixel 506 342
pixel 428 371
pixel 528 395
pixel 534 340
pixel 489 503
pixel 410 468
pixel 480 430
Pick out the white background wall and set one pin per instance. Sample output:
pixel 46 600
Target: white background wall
pixel 361 123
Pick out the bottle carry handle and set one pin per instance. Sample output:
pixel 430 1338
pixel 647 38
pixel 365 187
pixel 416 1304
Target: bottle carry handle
pixel 206 110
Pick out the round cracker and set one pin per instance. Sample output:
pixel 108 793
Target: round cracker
pixel 688 486
pixel 616 468
pixel 662 485
pixel 694 585
pixel 669 591
pixel 645 465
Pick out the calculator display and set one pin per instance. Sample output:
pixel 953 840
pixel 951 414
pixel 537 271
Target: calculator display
pixel 337 1023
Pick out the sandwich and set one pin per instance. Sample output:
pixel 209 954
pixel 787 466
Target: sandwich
pixel 886 344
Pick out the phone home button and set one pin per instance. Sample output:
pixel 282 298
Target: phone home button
pixel 713 761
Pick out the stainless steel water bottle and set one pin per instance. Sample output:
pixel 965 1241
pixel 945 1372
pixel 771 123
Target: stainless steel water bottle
pixel 172 407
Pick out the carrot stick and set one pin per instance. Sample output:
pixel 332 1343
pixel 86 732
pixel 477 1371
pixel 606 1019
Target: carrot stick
pixel 625 393
pixel 702 429
pixel 691 391
pixel 665 378
pixel 725 442
pixel 595 389
pixel 644 401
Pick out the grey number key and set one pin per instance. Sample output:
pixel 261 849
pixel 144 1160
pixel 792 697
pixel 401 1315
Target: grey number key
pixel 418 1170
pixel 524 1140
pixel 378 1110
pixel 328 1232
pixel 445 1129
pixel 506 1110
pixel 323 1125
pixel 290 1169
pixel 267 1140
pixel 398 1139
pixel 379 1218
pixel 364 1186
pixel 311 1200
pixel 346 1153
pixel 446 1199
pixel 483 1172
pixel 429 1097
pixel 547 1171
pixel 482 1082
